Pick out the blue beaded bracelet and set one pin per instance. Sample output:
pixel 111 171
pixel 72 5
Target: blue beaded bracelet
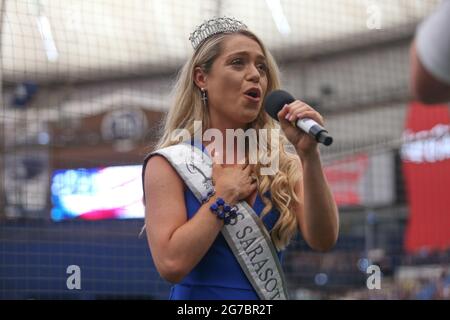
pixel 223 211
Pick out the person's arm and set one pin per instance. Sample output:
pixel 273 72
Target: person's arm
pixel 424 86
pixel 430 58
pixel 317 212
pixel 177 245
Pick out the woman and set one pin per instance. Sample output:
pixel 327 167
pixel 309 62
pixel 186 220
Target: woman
pixel 223 85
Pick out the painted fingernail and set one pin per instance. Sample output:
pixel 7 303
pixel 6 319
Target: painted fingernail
pixel 291 118
pixel 288 116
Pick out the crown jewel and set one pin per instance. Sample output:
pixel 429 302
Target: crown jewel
pixel 215 26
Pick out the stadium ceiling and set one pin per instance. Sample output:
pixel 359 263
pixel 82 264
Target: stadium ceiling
pixel 45 40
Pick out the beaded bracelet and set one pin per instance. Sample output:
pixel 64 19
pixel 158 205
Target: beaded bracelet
pixel 223 210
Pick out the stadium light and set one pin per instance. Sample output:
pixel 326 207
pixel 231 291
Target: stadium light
pixel 45 31
pixel 278 17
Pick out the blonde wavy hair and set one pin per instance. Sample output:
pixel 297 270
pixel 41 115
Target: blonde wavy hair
pixel 187 107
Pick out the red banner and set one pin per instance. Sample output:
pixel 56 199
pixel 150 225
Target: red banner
pixel 426 166
pixel 345 178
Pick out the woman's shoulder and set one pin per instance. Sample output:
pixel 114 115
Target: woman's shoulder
pixel 160 161
pixel 158 170
pixel 158 165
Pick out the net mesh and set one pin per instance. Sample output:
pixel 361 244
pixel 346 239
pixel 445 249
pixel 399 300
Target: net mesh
pixel 85 86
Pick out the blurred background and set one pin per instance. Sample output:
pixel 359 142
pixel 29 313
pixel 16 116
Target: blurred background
pixel 84 89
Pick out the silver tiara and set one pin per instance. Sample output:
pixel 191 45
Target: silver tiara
pixel 215 26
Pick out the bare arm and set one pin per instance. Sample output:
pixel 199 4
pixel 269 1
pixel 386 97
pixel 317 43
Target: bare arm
pixel 424 86
pixel 177 244
pixel 317 213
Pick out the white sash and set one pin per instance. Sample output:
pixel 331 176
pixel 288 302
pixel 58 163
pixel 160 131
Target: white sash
pixel 246 235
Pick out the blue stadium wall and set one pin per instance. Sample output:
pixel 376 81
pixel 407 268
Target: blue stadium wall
pixel 115 262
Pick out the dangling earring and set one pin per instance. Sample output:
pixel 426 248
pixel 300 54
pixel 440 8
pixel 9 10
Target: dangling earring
pixel 204 97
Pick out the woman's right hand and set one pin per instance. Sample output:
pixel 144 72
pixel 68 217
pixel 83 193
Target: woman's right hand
pixel 233 182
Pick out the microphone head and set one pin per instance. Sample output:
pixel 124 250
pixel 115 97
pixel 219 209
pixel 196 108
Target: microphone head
pixel 275 101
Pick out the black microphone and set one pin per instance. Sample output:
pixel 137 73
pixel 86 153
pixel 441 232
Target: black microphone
pixel 278 98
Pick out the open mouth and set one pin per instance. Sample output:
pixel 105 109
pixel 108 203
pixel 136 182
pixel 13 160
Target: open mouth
pixel 253 93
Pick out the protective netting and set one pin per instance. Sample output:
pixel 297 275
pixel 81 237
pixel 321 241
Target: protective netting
pixel 85 84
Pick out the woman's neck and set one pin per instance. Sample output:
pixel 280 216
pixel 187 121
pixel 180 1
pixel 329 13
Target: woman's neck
pixel 225 146
pixel 229 143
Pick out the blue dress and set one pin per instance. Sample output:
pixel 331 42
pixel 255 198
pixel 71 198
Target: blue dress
pixel 218 276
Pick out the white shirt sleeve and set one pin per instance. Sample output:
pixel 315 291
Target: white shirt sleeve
pixel 433 42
